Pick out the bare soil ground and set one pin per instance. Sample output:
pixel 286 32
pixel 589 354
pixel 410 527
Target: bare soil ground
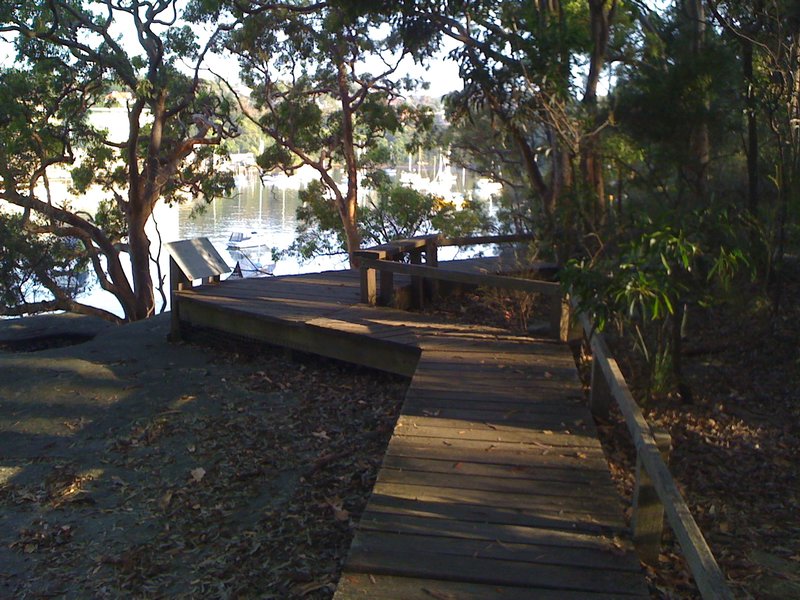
pixel 135 468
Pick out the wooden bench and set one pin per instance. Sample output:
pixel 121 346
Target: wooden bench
pixel 189 261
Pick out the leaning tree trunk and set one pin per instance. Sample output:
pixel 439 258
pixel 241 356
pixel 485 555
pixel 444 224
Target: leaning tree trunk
pixel 348 204
pixel 139 252
pixel 591 161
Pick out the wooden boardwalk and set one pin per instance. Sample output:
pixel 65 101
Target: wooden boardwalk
pixel 494 484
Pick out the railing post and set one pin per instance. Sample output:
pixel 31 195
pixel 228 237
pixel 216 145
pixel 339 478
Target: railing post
pixel 177 282
pixel 567 329
pixel 417 295
pixel 648 512
pixel 369 285
pixel 599 393
pixel 387 288
pixel 432 260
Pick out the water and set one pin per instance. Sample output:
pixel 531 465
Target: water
pixel 269 208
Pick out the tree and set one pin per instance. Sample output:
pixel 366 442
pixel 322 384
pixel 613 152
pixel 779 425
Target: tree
pixel 769 33
pixel 314 96
pixel 518 63
pixel 68 61
pixel 396 212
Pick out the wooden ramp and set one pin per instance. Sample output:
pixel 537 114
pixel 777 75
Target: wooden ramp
pixel 494 484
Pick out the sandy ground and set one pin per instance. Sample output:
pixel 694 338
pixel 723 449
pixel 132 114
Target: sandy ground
pixel 130 466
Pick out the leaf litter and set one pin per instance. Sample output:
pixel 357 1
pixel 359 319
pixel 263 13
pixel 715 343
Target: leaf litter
pixel 250 488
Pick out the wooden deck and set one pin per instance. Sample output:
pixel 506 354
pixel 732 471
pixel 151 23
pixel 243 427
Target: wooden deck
pixel 494 484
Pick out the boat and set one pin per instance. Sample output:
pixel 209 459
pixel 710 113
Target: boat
pixel 246 239
pixel 485 188
pixel 247 267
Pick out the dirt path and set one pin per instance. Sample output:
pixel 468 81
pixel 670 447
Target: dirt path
pixel 131 466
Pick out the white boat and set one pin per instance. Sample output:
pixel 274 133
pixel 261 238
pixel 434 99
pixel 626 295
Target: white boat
pixel 247 267
pixel 246 239
pixel 485 188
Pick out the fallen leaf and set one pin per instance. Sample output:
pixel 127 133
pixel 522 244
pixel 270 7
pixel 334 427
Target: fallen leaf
pixel 198 474
pixel 163 503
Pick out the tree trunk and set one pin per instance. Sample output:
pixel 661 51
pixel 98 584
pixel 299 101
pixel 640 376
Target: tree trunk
pixel 699 143
pixel 139 251
pixel 752 126
pixel 348 205
pixel 591 163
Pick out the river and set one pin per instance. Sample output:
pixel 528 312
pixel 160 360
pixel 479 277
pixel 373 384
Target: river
pixel 268 207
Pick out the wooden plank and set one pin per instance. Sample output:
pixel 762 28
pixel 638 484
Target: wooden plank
pixel 540 398
pixel 537 484
pixel 531 553
pixel 542 390
pixel 497 375
pixel 371 330
pixel 496 572
pixel 396 522
pixel 379 354
pixel 438 274
pixel 464 429
pixel 334 297
pixel 571 506
pixel 485 515
pixel 359 586
pixel 478 346
pixel 500 412
pixel 431 465
pixel 507 453
pixel 475 240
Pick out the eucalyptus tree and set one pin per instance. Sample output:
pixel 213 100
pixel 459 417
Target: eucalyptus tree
pixel 323 78
pixel 69 57
pixel 769 34
pixel 518 62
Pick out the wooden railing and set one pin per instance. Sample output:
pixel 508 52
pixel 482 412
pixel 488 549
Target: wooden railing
pixel 655 492
pixel 379 264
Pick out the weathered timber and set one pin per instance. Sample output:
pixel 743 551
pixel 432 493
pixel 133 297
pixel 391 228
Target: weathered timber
pixel 360 586
pixel 536 553
pixel 494 461
pixel 708 576
pixel 648 511
pixel 380 354
pixel 486 571
pixel 573 522
pixel 543 487
pixel 432 465
pixel 476 240
pixel 494 530
pixel 485 280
